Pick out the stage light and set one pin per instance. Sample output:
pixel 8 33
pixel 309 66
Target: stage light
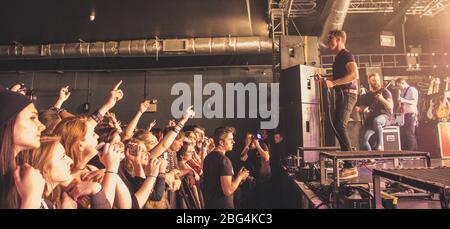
pixel 92 16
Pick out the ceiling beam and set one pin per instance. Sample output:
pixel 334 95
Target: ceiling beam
pixel 399 13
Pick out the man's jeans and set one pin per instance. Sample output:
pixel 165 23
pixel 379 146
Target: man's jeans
pixel 345 103
pixel 375 127
pixel 408 132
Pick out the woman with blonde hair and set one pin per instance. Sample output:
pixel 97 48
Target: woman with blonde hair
pixel 80 141
pixel 60 189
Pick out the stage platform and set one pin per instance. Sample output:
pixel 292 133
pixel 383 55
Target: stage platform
pixel 312 195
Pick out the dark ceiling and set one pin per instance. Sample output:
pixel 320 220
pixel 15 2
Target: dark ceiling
pixel 57 21
pixel 48 21
pixel 54 21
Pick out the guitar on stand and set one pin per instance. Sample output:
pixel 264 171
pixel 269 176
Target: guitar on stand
pixel 431 89
pixel 441 111
pixel 398 117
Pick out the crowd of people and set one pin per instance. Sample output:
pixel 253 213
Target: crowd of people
pixel 53 159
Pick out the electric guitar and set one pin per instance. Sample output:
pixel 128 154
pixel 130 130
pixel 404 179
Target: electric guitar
pixel 431 105
pixel 368 110
pixel 441 110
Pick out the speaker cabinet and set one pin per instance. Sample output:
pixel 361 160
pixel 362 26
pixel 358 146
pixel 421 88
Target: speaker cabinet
pixel 391 138
pixel 297 84
pixel 295 50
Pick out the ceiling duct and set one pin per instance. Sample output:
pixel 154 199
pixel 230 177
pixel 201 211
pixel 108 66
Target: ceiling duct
pixel 132 48
pixel 336 11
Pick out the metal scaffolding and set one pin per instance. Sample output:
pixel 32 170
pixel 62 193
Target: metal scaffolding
pixel 302 8
pixel 408 61
pixel 305 8
pixel 421 7
pixel 278 27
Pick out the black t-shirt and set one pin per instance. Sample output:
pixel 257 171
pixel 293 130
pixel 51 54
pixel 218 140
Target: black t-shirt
pixel 340 70
pixel 376 107
pixel 216 165
pixel 258 167
pixel 277 152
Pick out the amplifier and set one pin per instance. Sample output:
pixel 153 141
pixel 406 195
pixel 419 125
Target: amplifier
pixel 391 138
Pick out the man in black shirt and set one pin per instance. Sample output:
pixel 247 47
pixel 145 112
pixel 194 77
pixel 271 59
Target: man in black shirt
pixel 345 75
pixel 277 153
pixel 256 158
pixel 219 186
pixel 380 104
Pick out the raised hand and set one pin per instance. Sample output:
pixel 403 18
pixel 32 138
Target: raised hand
pixel 110 157
pixel 144 106
pixel 151 125
pixel 256 142
pixel 115 95
pixel 135 159
pixel 64 94
pixel 152 168
pixel 189 113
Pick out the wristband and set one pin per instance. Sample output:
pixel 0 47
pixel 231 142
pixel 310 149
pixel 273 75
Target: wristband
pixel 97 116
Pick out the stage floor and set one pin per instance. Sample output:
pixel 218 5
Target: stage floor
pixel 365 176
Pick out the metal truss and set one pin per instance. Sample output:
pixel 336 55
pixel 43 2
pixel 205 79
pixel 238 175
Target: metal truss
pixel 409 61
pixel 421 7
pixel 304 8
pixel 278 9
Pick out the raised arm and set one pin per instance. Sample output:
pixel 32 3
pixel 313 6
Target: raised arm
pixel 171 135
pixel 134 122
pixel 64 95
pixel 264 153
pixel 115 95
pixel 111 159
pixel 152 171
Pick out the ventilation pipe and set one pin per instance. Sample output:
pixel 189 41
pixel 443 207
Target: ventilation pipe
pixel 135 48
pixel 337 11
